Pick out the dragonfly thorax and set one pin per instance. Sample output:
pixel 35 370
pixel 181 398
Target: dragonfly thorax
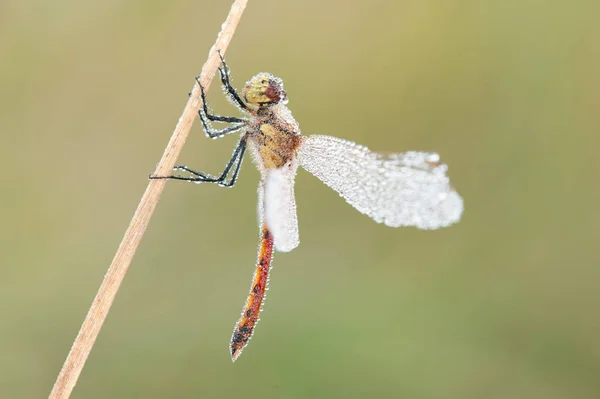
pixel 264 90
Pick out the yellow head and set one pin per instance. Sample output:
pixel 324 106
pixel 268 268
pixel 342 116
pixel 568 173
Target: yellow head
pixel 264 89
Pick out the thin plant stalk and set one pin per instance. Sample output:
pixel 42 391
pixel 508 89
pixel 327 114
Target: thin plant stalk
pixel 115 274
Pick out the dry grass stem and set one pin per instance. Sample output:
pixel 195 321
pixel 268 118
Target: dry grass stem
pixel 116 272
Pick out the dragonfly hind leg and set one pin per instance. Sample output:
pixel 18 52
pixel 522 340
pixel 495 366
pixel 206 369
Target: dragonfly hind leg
pixel 199 177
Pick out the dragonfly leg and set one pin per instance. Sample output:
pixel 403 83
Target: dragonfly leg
pixel 216 133
pixel 206 116
pixel 200 177
pixel 212 117
pixel 233 94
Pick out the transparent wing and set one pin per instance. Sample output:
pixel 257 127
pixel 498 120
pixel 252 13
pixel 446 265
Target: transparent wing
pixel 280 206
pixel 409 189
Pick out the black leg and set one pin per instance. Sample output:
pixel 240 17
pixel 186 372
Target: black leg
pixel 211 117
pixel 238 166
pixel 236 159
pixel 224 72
pixel 216 133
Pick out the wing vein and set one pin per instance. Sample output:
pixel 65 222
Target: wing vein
pixel 409 189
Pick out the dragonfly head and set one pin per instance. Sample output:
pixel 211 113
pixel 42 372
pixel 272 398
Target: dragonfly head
pixel 264 90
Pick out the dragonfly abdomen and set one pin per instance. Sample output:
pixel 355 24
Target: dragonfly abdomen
pixel 244 328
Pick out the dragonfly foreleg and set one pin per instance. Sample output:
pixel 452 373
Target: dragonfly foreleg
pixel 200 177
pixel 224 72
pixel 212 117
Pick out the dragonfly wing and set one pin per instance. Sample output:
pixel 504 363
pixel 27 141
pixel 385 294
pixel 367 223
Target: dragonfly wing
pixel 280 206
pixel 409 189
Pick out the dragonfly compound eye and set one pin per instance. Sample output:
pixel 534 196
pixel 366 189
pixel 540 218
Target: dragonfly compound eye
pixel 264 89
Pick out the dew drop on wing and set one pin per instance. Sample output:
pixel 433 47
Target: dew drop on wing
pixel 409 189
pixel 280 206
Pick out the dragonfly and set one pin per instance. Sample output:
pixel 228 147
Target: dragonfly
pixel 396 189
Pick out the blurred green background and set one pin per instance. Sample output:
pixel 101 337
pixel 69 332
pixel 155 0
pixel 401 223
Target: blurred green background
pixel 503 305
